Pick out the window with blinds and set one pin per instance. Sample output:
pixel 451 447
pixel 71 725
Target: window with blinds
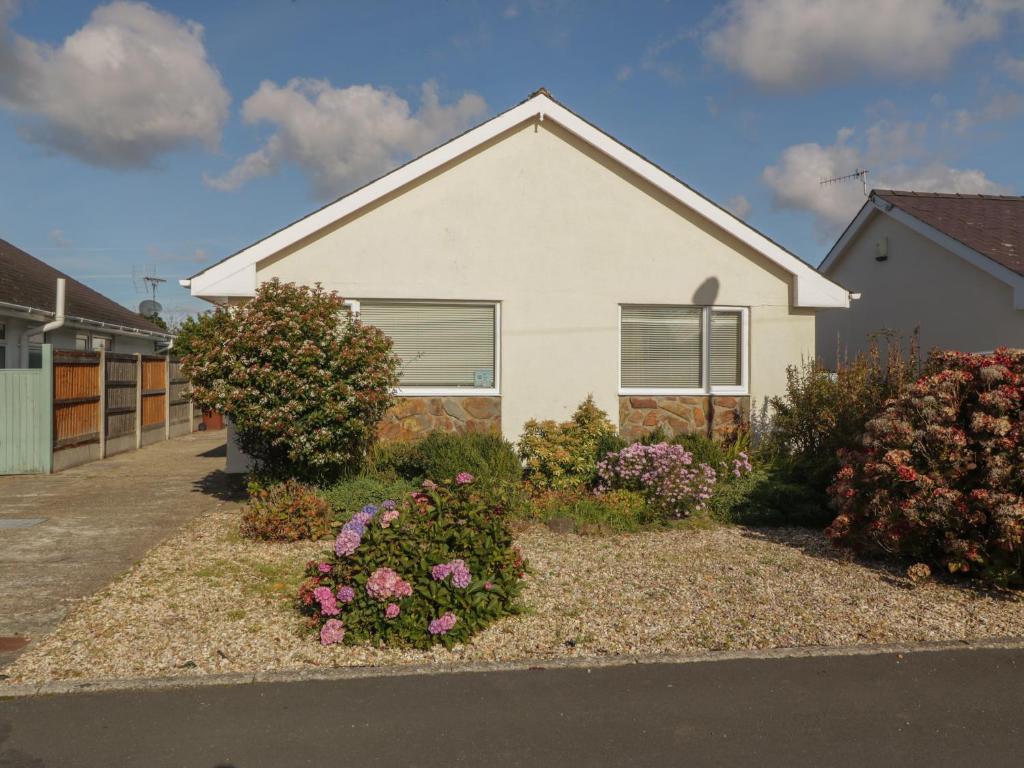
pixel 662 346
pixel 726 342
pixel 440 345
pixel 666 347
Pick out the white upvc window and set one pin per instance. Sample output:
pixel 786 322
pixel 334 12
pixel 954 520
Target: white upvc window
pixel 667 349
pixel 446 347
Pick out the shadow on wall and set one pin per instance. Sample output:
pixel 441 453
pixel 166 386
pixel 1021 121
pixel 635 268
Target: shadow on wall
pixel 706 293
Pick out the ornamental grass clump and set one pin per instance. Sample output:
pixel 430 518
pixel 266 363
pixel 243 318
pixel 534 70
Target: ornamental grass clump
pixel 665 474
pixel 940 477
pixel 435 567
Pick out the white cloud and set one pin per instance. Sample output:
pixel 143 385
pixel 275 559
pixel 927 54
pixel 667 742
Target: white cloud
pixel 132 83
pixel 795 43
pixel 58 239
pixel 340 137
pixel 1001 106
pixel 893 153
pixel 1013 67
pixel 739 206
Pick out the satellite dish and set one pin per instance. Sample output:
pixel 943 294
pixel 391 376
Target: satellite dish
pixel 148 308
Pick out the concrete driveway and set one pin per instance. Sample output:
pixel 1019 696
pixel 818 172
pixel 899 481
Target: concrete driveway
pixel 96 521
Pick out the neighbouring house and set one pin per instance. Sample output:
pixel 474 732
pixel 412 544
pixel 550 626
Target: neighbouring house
pixel 949 264
pixel 535 259
pixel 28 301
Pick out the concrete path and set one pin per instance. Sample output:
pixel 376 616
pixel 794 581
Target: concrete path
pixel 98 519
pixel 918 709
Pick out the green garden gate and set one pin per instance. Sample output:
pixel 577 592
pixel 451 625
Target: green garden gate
pixel 26 418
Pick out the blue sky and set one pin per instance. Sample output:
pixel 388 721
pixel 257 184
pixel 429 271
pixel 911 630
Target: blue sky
pixel 159 138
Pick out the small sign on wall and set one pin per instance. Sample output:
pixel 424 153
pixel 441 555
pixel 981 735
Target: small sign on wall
pixel 483 378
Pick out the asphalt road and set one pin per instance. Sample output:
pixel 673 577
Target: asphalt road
pixel 922 709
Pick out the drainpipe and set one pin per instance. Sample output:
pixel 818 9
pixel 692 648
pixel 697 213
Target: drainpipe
pixel 53 325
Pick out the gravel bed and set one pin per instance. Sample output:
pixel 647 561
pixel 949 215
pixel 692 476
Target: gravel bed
pixel 208 602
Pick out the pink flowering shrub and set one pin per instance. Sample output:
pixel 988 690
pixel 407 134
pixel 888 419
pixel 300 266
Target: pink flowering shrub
pixel 665 474
pixel 435 567
pixel 940 477
pixel 304 387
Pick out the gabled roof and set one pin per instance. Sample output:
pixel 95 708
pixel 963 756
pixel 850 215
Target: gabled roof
pixel 236 275
pixel 27 282
pixel 984 230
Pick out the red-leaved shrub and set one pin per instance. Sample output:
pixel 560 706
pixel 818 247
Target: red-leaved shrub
pixel 940 476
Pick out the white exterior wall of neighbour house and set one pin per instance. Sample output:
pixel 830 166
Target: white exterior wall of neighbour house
pixel 560 236
pixel 919 284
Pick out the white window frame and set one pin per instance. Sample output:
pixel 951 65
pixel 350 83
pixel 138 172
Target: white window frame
pixel 355 306
pixel 705 367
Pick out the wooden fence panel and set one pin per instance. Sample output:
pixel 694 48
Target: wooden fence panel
pixel 178 394
pixel 121 385
pixel 76 398
pixel 154 391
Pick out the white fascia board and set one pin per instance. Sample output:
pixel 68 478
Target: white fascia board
pixel 864 215
pixel 811 289
pixel 968 254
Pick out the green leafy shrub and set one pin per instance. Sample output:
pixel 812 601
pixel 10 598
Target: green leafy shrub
pixel 768 496
pixel 613 512
pixel 939 478
pixel 488 456
pixel 351 494
pixel 394 459
pixel 436 568
pixel 564 455
pixel 825 412
pixel 287 511
pixel 304 388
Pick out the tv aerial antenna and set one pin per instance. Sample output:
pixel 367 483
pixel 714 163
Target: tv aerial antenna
pixel 859 173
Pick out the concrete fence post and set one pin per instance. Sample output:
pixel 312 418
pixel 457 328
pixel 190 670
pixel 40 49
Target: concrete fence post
pixel 102 416
pixel 138 400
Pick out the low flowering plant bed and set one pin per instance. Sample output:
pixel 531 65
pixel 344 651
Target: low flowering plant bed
pixel 434 568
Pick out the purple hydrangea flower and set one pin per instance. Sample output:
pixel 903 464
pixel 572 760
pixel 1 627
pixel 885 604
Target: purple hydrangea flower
pixel 443 624
pixel 369 509
pixel 346 594
pixel 388 504
pixel 348 541
pixel 441 571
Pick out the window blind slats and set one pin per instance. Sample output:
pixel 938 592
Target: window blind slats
pixel 662 346
pixel 440 345
pixel 726 341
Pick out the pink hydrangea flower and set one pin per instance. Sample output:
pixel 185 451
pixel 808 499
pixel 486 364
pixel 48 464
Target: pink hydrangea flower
pixel 346 594
pixel 441 571
pixel 385 583
pixel 347 543
pixel 328 605
pixel 488 586
pixel 324 567
pixel 333 631
pixel 392 610
pixel 464 478
pixel 443 624
pixel 387 517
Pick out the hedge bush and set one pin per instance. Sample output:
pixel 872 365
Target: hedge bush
pixel 565 455
pixel 287 511
pixel 823 412
pixel 436 568
pixel 940 478
pixel 304 387
pixel 350 495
